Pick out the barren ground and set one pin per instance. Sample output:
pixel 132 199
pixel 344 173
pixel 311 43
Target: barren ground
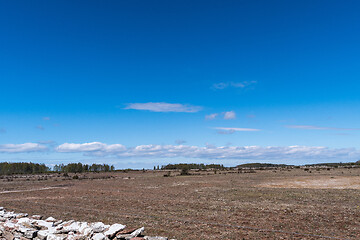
pixel 268 204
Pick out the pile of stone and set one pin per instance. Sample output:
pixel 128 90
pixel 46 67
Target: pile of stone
pixel 20 226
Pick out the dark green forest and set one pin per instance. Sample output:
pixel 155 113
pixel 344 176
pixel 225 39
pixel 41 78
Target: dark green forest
pixel 192 166
pixel 79 168
pixel 7 168
pixel 22 168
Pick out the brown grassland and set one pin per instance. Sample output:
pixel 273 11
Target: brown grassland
pixel 268 204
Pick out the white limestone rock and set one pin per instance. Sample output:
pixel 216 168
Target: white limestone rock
pixel 26 222
pixel 56 237
pixel 50 219
pixel 85 229
pixel 58 222
pixel 99 236
pixel 42 234
pixel 98 227
pixel 36 217
pixel 138 232
pixel 129 236
pixel 30 234
pixel 74 227
pixel 44 224
pixel 114 229
pixel 155 238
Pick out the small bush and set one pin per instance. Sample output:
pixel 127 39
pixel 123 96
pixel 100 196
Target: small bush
pixel 184 172
pixel 168 174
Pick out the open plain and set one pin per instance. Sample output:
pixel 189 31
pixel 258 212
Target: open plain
pixel 265 204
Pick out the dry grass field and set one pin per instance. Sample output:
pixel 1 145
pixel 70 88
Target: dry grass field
pixel 268 204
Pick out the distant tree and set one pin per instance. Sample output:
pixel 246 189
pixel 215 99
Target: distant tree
pixel 22 168
pixel 79 168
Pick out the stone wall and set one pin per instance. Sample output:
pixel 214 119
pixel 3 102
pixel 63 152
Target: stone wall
pixel 20 226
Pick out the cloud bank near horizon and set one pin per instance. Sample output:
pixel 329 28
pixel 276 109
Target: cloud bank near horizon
pixel 211 152
pixel 98 149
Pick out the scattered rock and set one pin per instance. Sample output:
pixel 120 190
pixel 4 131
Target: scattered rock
pixel 99 236
pixel 156 238
pixel 37 217
pixel 50 219
pixel 19 226
pixel 114 229
pixel 98 227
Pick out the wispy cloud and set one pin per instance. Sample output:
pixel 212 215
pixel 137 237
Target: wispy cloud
pixel 211 116
pixel 311 127
pixel 180 141
pixel 2 130
pixel 213 152
pixel 229 130
pixel 229 115
pixel 226 132
pixel 46 118
pixel 220 85
pixel 223 85
pixel 21 148
pixel 40 127
pixel 164 107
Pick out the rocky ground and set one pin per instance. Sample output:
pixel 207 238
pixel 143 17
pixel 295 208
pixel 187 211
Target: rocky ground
pixel 265 204
pixel 20 226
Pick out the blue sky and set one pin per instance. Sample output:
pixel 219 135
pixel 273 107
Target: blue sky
pixel 142 83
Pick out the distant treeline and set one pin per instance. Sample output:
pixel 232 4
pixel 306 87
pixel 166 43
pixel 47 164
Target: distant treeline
pixel 35 168
pixel 262 165
pixel 341 164
pixel 79 168
pixel 271 165
pixel 192 166
pixel 22 168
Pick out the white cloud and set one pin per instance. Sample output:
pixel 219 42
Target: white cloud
pixel 212 152
pixel 229 115
pixel 21 148
pixel 163 107
pixel 311 127
pixel 223 85
pixel 95 147
pixel 211 116
pixel 208 152
pixel 237 129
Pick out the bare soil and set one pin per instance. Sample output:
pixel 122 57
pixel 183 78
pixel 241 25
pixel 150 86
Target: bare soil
pixel 268 204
